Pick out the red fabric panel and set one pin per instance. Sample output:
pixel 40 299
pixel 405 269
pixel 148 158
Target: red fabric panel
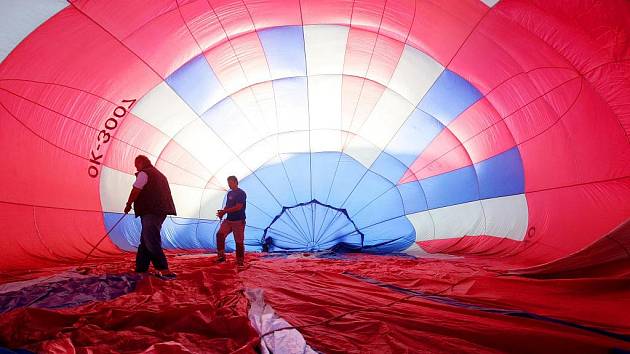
pixel 371 55
pixel 270 13
pixel 305 292
pixel 233 16
pixel 203 23
pixel 398 19
pixel 444 154
pixel 317 12
pixel 575 217
pixel 359 51
pixel 440 27
pixel 187 170
pixel 204 310
pixel 473 245
pixel 336 309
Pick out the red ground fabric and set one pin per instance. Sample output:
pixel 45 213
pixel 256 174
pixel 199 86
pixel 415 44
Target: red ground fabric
pixel 306 291
pixel 203 311
pixel 357 304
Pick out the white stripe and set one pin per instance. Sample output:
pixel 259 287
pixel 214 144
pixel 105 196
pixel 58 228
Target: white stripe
pixel 21 17
pixel 504 217
pixel 415 74
pixel 164 109
pixel 204 145
pixel 325 47
pixel 458 220
pixel 114 188
pixel 187 200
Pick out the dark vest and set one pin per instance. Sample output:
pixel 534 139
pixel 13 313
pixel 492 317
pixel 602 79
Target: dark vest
pixel 155 198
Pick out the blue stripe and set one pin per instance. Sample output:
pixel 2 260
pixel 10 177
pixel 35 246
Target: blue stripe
pixel 449 97
pixel 455 187
pixel 196 84
pixel 501 175
pixel 284 49
pixel 414 136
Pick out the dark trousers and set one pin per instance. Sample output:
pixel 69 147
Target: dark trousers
pixel 150 248
pixel 238 229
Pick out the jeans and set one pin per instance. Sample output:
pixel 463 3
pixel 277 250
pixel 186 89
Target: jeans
pixel 238 229
pixel 150 248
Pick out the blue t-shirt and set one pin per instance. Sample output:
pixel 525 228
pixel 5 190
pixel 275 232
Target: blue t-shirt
pixel 234 197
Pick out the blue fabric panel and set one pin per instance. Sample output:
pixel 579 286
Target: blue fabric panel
pixel 206 234
pixel 389 236
pixel 414 136
pixel 449 97
pixel 388 167
pixel 71 292
pixel 455 187
pixel 298 169
pixel 370 188
pixel 387 206
pixel 413 197
pixel 501 175
pixel 180 233
pixel 324 166
pixel 258 197
pixel 284 49
pixel 349 173
pixel 196 84
pixel 273 176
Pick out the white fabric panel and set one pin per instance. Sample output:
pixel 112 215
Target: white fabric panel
pixel 361 150
pixel 211 201
pixel 258 104
pixel 233 168
pixel 325 140
pixel 294 142
pixel 388 116
pixel 204 145
pixel 325 47
pixel 186 200
pixel 506 216
pixel 423 223
pixel 415 74
pixel 458 220
pixel 324 100
pixel 291 104
pixel 114 189
pixel 490 3
pixel 258 154
pixel 228 121
pixel 21 17
pixel 164 109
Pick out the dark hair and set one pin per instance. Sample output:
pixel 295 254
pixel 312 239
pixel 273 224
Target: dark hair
pixel 145 160
pixel 233 178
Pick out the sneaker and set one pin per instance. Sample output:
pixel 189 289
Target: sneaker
pixel 220 260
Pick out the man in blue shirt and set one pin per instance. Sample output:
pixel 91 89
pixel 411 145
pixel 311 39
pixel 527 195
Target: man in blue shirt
pixel 234 223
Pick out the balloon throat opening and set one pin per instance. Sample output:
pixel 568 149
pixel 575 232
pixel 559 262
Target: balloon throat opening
pixel 310 227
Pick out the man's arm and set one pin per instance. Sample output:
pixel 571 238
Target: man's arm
pixel 233 209
pixel 135 192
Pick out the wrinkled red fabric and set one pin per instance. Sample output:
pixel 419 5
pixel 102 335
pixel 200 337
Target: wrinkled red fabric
pixel 203 311
pixel 337 310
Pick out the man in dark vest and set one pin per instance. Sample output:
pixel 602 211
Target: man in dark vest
pixel 152 201
pixel 235 222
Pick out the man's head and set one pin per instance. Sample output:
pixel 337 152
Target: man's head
pixel 232 182
pixel 142 162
